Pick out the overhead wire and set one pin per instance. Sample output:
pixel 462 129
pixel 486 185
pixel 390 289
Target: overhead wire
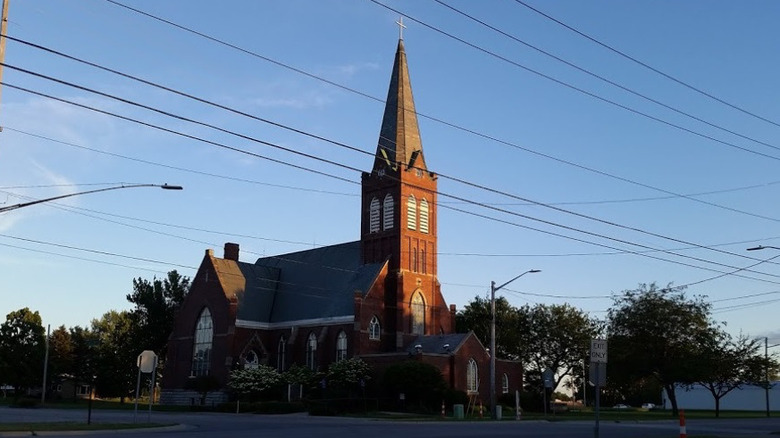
pixel 286 149
pixel 648 66
pixel 356 149
pixel 426 116
pixel 604 79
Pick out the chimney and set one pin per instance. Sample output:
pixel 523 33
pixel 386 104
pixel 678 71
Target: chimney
pixel 231 251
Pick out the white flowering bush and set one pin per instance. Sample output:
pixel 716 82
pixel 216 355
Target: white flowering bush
pixel 349 373
pixel 254 382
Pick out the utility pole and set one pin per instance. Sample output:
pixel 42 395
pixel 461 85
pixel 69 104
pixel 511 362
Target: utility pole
pixel 766 359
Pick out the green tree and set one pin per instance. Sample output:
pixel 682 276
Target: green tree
pixel 476 316
pixel 350 374
pixel 155 309
pixel 655 332
pixel 556 337
pixel 730 364
pixel 115 364
pixel 422 384
pixel 22 349
pixel 255 383
pixel 85 352
pixel 60 353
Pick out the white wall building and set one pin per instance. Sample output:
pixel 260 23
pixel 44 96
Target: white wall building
pixel 749 398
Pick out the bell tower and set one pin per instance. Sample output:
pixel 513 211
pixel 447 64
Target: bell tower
pixel 399 218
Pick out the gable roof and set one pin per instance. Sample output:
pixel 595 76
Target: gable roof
pixel 438 344
pixel 314 286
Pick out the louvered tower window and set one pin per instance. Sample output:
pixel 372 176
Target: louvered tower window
pixel 387 213
pixel 424 216
pixel 411 213
pixel 373 216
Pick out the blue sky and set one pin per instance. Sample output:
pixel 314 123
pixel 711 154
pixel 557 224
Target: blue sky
pixel 598 153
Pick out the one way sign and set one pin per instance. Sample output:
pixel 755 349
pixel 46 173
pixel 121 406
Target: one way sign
pixel 598 351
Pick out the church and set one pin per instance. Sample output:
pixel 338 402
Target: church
pixel 377 298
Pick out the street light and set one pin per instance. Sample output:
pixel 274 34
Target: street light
pixel 123 186
pixel 760 247
pixel 493 290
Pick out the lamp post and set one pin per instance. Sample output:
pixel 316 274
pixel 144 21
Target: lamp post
pixel 123 186
pixel 493 289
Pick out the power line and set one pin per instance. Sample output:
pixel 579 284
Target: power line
pixel 221 145
pixel 575 88
pixel 606 80
pixel 428 117
pixel 647 66
pixel 317 158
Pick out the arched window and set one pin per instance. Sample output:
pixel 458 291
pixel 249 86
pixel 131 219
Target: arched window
pixel 311 352
pixel 373 216
pixel 411 213
pixel 280 353
pixel 374 329
pixel 505 384
pixel 472 377
pixel 201 350
pixel 424 216
pixel 418 314
pixel 387 212
pixel 251 360
pixel 341 346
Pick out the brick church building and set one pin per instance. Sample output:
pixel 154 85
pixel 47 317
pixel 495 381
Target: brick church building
pixel 378 298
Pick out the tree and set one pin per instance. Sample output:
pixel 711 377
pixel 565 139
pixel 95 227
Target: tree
pixel 22 349
pixel 349 374
pixel 84 350
pixel 730 364
pixel 556 337
pixel 476 316
pixel 654 332
pixel 60 353
pixel 115 364
pixel 155 309
pixel 422 384
pixel 254 383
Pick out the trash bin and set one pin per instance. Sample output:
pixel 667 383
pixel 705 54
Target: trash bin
pixel 457 412
pixel 499 411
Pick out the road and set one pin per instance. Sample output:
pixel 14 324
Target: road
pixel 197 425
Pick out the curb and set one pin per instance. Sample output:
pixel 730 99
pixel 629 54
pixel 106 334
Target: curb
pixel 175 427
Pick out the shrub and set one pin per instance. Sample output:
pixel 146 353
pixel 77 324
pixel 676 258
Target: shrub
pixel 255 383
pixel 422 384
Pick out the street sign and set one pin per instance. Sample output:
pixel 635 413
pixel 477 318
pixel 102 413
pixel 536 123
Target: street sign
pixel 147 361
pixel 598 351
pixel 597 374
pixel 548 376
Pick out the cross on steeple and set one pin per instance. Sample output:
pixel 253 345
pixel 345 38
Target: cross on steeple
pixel 401 27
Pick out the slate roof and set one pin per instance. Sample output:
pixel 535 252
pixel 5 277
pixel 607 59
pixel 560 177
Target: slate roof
pixel 438 344
pixel 399 137
pixel 314 284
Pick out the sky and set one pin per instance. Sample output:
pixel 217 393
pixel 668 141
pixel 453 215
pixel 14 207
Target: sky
pixel 620 143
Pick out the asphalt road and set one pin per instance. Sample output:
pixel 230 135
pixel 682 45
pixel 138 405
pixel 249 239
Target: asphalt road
pixel 196 425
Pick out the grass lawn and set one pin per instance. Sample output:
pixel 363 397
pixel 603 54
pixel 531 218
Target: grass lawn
pixel 41 427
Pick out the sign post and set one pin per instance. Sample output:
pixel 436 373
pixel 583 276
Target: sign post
pixel 147 363
pixel 598 372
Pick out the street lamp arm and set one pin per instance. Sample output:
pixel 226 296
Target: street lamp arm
pixel 54 198
pixel 760 247
pixel 532 271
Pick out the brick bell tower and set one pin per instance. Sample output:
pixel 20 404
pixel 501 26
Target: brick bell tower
pixel 399 218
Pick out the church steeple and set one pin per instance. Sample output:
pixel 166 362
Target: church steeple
pixel 399 138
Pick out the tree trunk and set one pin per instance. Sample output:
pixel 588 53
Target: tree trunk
pixel 717 407
pixel 672 399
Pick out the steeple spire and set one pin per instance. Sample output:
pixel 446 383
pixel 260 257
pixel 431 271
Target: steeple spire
pixel 399 138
